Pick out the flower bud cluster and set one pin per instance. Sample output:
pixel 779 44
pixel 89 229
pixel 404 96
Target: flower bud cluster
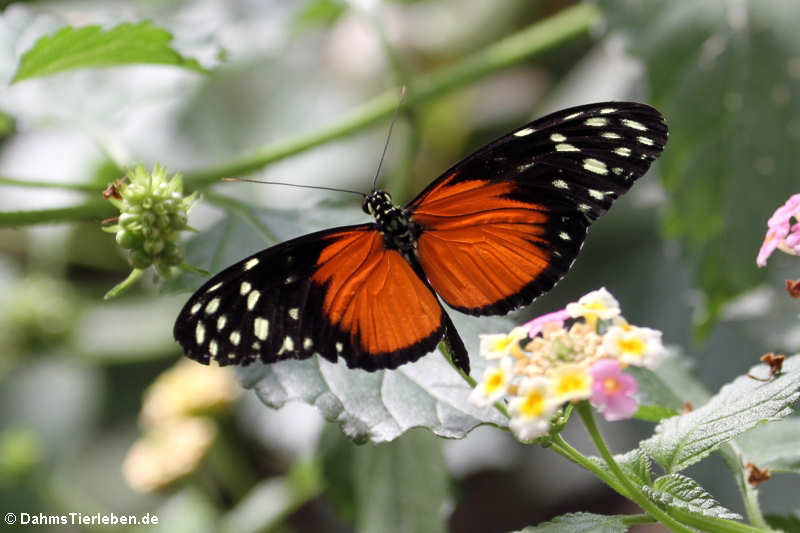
pixel 153 211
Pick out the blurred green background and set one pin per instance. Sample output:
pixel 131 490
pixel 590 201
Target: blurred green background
pixel 78 432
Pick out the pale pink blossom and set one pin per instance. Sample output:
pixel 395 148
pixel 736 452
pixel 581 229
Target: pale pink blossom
pixel 613 390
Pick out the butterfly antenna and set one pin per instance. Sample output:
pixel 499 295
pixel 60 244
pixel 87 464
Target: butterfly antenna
pixel 295 185
pixel 389 135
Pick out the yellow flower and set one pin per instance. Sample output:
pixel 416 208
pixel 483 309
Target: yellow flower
pixel 599 304
pixel 493 385
pixel 532 409
pixel 498 345
pixel 188 389
pixel 634 345
pixel 167 453
pixel 570 382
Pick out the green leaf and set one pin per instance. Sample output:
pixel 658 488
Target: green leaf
pixel 634 463
pixel 653 413
pixel 319 13
pixel 683 440
pixel 787 524
pixel 580 523
pixel 774 445
pixel 91 46
pixel 724 75
pixel 663 392
pixel 679 491
pixel 401 486
pixel 377 406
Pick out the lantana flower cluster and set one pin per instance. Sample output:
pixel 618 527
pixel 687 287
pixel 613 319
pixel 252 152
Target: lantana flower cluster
pixel 577 353
pixel 783 231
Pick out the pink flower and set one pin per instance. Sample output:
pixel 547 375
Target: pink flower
pixel 781 233
pixel 613 390
pixel 536 325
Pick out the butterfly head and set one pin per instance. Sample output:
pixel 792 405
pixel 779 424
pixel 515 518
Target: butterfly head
pixel 377 202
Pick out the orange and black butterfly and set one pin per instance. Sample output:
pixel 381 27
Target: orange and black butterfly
pixel 489 235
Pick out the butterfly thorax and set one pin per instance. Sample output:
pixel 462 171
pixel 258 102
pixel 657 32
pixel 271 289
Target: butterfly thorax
pixel 395 226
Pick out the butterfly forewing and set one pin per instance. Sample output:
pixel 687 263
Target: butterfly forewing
pixel 506 223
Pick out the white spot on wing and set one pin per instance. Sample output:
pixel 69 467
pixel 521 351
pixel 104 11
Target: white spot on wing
pixel 339 347
pixel 573 115
pixel 288 345
pixel 235 337
pixel 252 299
pixel 595 165
pixel 307 343
pixel 261 328
pixel 633 124
pixel 213 348
pixel 200 333
pixel 214 287
pixel 221 321
pixel 524 132
pixel 596 122
pixel 564 147
pixel 294 313
pixel 558 138
pixel 645 140
pixel 624 152
pixel 597 195
pixel 251 263
pixel 244 288
pixel 607 110
pixel 290 279
pixel 195 308
pixel 560 184
pixel 564 236
pixel 212 306
pixel 610 135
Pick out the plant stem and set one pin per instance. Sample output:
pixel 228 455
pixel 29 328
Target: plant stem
pixel 91 210
pixel 734 458
pixel 83 187
pixel 566 450
pixel 565 25
pixel 634 493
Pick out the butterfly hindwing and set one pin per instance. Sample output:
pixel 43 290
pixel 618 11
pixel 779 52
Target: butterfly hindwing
pixel 506 223
pixel 337 293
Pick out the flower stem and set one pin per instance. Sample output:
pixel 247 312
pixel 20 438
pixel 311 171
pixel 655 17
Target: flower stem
pixel 135 274
pixel 634 493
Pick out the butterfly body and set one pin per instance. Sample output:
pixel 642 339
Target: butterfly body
pixel 489 235
pixel 399 232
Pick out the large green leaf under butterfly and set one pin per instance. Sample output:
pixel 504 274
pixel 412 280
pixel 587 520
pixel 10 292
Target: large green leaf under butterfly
pixel 489 235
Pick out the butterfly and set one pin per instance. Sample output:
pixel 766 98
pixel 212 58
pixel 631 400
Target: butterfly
pixel 489 235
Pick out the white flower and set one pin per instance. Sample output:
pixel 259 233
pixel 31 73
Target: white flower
pixel 499 345
pixel 633 345
pixel 570 382
pixel 532 409
pixel 599 304
pixel 493 385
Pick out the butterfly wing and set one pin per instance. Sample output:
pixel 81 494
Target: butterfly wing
pixel 338 293
pixel 506 223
